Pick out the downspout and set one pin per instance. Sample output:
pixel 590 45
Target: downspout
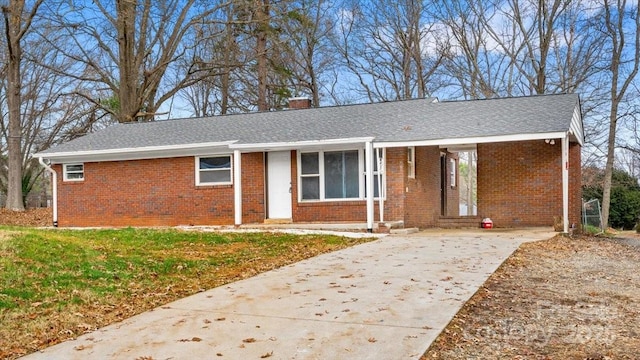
pixel 54 190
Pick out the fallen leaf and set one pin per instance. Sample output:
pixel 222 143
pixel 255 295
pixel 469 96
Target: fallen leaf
pixel 266 355
pixel 249 340
pixel 372 340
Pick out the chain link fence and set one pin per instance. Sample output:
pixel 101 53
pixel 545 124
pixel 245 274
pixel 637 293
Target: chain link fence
pixel 592 215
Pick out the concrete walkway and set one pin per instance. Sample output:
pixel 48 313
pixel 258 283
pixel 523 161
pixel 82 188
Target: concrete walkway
pixel 388 299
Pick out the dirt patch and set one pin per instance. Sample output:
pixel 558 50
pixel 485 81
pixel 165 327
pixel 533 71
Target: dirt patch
pixel 29 217
pixel 555 299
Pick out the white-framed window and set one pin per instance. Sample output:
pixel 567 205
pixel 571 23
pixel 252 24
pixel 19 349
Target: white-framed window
pixel 310 176
pixel 454 172
pixel 73 172
pixel 214 170
pixel 333 175
pixel 411 162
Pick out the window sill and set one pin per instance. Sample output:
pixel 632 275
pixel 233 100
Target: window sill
pixel 213 186
pixel 335 202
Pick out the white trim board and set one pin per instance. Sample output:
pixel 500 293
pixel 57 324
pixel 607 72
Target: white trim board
pixel 471 140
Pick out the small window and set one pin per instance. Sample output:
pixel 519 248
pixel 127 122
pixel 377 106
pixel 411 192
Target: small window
pixel 215 170
pixel 73 172
pixel 411 162
pixel 310 176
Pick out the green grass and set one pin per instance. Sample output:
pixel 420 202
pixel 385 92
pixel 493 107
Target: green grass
pixel 106 275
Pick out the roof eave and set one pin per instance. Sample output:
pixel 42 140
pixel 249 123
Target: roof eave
pixel 148 152
pixel 473 140
pixel 301 145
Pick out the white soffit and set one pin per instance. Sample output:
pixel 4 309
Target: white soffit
pixel 450 143
pixel 150 152
pixel 308 144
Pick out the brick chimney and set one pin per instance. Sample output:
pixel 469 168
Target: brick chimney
pixel 299 103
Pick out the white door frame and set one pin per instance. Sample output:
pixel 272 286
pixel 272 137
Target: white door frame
pixel 279 185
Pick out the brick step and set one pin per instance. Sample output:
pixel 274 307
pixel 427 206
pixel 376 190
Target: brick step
pixel 453 222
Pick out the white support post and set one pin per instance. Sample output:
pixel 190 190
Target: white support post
pixel 368 158
pixel 565 182
pixel 237 187
pixel 379 162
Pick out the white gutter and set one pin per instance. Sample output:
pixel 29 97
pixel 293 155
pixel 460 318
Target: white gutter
pixel 54 190
pixel 144 152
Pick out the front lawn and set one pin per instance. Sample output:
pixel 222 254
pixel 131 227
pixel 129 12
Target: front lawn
pixel 57 284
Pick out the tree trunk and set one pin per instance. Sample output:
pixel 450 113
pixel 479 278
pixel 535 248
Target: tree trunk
pixel 225 78
pixel 127 97
pixel 608 170
pixel 262 17
pixel 616 30
pixel 13 27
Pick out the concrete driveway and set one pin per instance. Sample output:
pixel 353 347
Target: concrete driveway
pixel 388 299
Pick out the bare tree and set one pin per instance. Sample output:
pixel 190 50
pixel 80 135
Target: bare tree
pixel 519 47
pixel 17 22
pixel 381 44
pixel 245 59
pixel 621 23
pixel 128 50
pixel 49 112
pixel 310 56
pixel 472 63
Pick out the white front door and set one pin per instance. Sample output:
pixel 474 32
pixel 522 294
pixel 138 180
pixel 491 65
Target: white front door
pixel 279 184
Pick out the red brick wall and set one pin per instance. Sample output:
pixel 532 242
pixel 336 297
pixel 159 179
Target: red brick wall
pixel 253 188
pixel 396 177
pixel 520 183
pixel 156 192
pixel 423 196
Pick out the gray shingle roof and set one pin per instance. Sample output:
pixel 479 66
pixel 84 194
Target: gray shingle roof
pixel 409 120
